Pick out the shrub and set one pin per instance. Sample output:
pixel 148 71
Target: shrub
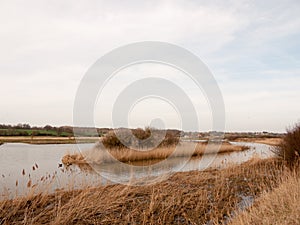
pixel 112 141
pixel 169 140
pixel 289 148
pixel 145 138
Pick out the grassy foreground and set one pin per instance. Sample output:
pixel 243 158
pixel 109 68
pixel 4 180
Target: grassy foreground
pixel 281 206
pixel 196 197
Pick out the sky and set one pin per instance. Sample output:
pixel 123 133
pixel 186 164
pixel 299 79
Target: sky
pixel 251 47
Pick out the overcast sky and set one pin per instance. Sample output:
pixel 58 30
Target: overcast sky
pixel 251 47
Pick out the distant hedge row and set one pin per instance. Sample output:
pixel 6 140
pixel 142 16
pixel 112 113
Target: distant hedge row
pixel 21 132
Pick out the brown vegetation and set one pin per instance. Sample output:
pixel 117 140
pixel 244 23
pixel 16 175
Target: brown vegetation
pixel 267 141
pixel 140 138
pixel 281 206
pixel 97 155
pixel 289 148
pixel 207 197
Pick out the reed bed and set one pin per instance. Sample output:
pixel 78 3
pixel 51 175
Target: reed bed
pixel 99 155
pixel 281 206
pixel 197 197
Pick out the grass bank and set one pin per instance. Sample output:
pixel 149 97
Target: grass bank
pixel 267 141
pixel 47 140
pixel 196 197
pixel 97 154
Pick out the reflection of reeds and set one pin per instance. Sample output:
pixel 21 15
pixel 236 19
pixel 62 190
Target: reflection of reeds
pixel 207 197
pixel 98 155
pixel 29 184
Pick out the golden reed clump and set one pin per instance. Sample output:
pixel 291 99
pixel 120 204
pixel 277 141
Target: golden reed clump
pixel 99 155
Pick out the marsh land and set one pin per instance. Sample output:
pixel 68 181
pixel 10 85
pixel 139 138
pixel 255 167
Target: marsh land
pixel 247 183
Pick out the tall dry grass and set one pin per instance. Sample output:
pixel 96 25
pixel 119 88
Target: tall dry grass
pixel 207 197
pixel 278 207
pixel 99 155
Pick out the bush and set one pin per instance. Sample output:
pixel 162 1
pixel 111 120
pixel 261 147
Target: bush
pixel 112 141
pixel 143 136
pixel 169 140
pixel 289 148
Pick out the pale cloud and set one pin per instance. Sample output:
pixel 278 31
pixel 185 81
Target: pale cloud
pixel 46 47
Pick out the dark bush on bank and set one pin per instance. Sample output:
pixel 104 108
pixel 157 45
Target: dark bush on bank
pixel 289 148
pixel 139 138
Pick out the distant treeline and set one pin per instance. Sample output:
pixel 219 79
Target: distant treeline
pixel 27 130
pixel 48 130
pixel 62 131
pixel 67 131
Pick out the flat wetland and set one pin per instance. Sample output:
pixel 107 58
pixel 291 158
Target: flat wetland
pixel 242 174
pixel 195 197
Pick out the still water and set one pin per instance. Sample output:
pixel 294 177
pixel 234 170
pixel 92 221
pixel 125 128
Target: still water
pixel 27 169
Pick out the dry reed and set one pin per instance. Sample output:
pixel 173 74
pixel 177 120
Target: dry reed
pixel 281 206
pixel 207 197
pixel 99 155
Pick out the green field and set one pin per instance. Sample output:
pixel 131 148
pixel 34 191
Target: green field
pixel 34 132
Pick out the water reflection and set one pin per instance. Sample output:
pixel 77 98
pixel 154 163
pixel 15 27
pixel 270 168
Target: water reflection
pixel 121 173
